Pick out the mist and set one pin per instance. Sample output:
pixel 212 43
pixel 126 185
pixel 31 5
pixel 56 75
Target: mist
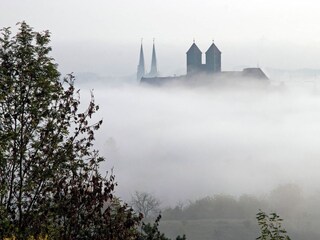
pixel 181 143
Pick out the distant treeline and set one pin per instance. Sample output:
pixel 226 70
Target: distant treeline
pixel 287 200
pixel 217 207
pixel 229 217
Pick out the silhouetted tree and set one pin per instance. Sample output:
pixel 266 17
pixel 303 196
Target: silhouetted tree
pixel 50 184
pixel 145 203
pixel 49 178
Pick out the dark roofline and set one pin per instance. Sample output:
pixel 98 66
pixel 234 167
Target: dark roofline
pixel 213 47
pixel 194 47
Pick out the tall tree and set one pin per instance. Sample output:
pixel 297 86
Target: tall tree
pixel 50 184
pixel 49 178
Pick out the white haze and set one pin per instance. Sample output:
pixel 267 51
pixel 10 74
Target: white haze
pixel 181 143
pixel 104 36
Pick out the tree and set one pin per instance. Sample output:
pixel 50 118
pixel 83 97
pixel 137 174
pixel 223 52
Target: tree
pixel 50 184
pixel 49 178
pixel 145 203
pixel 271 227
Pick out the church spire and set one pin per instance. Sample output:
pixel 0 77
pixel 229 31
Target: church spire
pixel 141 69
pixel 154 69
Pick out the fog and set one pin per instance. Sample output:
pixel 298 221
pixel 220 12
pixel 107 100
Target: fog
pixel 104 36
pixel 181 143
pixel 121 58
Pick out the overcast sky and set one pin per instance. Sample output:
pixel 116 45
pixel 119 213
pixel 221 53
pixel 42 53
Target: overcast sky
pixel 103 36
pixel 228 142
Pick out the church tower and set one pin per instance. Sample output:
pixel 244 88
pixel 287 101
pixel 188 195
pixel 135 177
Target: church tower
pixel 194 60
pixel 154 69
pixel 141 70
pixel 213 59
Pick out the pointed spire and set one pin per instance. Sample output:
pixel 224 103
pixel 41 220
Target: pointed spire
pixel 154 69
pixel 141 68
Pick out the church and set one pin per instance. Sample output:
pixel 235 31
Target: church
pixel 196 70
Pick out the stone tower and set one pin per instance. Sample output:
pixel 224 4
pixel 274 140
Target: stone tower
pixel 213 59
pixel 194 60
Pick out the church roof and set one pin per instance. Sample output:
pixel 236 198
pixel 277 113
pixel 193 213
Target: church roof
pixel 256 73
pixel 193 49
pixel 213 48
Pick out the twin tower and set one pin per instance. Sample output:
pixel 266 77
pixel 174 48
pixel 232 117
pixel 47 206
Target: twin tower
pixel 141 72
pixel 194 60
